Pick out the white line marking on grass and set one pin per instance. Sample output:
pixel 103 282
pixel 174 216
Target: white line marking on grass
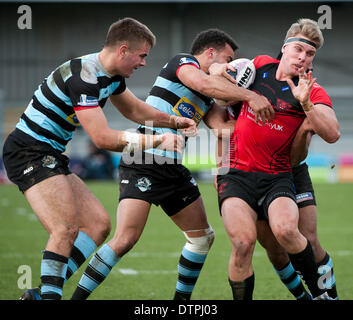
pixel 133 272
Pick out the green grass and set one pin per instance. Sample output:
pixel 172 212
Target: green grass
pixel 153 260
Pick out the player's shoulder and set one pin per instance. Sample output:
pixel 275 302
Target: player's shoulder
pixel 87 70
pixel 261 60
pixel 184 59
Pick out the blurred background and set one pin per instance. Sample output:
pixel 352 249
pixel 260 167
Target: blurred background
pixel 67 29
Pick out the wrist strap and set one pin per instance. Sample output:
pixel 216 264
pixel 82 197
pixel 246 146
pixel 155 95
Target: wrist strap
pixel 132 141
pixel 308 106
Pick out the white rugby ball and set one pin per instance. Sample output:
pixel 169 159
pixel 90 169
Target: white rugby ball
pixel 244 75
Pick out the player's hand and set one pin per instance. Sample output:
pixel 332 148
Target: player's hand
pixel 172 142
pixel 262 108
pixel 221 69
pixel 302 91
pixel 185 126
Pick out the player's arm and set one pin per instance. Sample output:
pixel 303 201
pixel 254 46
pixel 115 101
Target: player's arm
pixel 300 146
pixel 139 111
pixel 222 126
pixel 95 124
pixel 323 120
pixel 322 117
pixel 219 87
pixel 217 119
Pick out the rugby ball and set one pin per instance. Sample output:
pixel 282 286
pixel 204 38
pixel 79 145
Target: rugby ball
pixel 244 74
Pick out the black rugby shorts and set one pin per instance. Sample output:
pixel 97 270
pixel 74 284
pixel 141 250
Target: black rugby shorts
pixel 169 185
pixel 303 186
pixel 28 161
pixel 257 189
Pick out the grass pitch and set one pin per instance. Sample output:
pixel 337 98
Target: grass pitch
pixel 148 271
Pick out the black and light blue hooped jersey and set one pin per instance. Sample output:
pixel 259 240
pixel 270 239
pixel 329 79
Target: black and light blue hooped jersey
pixel 77 84
pixel 171 96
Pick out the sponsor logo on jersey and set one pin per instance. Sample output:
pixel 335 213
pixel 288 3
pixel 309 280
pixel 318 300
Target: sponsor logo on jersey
pixel 124 181
pixel 72 118
pixel 185 108
pixel 144 184
pixel 186 60
pixel 264 75
pixel 87 101
pixel 304 196
pixel 49 162
pixel 275 126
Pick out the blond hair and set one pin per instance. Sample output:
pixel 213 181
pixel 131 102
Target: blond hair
pixel 308 28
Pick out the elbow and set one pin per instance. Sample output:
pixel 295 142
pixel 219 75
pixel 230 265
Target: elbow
pixel 101 142
pixel 334 137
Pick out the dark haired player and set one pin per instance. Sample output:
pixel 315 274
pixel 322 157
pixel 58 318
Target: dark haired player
pixel 183 88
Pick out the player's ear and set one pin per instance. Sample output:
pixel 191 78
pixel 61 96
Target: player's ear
pixel 210 52
pixel 122 50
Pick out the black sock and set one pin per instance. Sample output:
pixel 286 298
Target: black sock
pixel 243 290
pixel 304 263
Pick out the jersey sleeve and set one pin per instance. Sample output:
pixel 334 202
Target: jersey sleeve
pixel 121 88
pixel 319 96
pixel 184 60
pixel 83 95
pixel 260 61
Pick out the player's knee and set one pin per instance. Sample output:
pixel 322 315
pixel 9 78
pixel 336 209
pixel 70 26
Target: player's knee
pixel 122 244
pixel 65 233
pixel 200 245
pixel 244 246
pixel 286 233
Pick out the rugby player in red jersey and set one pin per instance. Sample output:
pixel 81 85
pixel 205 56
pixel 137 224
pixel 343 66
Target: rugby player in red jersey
pixel 257 183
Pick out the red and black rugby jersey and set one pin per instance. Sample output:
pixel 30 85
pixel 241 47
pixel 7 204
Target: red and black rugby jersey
pixel 258 148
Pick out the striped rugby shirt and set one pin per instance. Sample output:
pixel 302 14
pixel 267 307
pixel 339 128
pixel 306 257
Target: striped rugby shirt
pixel 171 96
pixel 77 84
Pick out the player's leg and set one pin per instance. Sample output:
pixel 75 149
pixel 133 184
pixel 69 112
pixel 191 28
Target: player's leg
pixel 283 219
pixel 93 221
pixel 132 215
pixel 239 220
pixel 308 227
pixel 280 261
pixel 53 202
pixel 193 222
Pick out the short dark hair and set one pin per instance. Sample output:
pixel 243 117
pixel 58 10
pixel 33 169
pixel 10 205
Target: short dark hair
pixel 129 29
pixel 212 38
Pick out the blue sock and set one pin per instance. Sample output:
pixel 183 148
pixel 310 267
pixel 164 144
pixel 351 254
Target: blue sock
pixel 327 278
pixel 53 271
pixel 97 270
pixel 189 268
pixel 291 280
pixel 83 247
